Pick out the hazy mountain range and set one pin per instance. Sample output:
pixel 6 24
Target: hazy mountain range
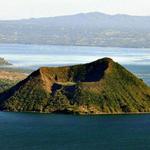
pixel 93 29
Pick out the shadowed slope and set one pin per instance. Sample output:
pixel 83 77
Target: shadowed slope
pixel 102 86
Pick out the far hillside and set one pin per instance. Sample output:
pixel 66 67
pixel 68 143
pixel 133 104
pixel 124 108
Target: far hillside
pixel 92 29
pixel 9 79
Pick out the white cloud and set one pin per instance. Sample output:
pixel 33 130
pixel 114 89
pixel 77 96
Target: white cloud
pixel 16 9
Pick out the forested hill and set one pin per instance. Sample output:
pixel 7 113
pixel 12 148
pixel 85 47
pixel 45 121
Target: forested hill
pixel 93 29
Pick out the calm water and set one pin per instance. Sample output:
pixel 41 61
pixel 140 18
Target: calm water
pixel 39 55
pixel 28 131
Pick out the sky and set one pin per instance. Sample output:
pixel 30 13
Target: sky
pixel 19 9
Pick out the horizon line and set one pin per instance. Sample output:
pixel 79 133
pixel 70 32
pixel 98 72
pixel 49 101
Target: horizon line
pixel 74 14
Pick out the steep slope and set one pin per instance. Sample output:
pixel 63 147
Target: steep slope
pixel 99 87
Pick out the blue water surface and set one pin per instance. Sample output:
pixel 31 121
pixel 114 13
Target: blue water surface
pixel 33 131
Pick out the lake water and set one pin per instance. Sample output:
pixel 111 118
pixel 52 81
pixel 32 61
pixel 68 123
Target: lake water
pixel 35 56
pixel 29 131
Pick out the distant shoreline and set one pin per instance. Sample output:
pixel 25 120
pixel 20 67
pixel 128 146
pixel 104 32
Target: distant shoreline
pixel 82 114
pixel 70 45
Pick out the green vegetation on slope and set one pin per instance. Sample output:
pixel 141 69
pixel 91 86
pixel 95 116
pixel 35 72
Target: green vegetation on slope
pixel 6 84
pixel 99 87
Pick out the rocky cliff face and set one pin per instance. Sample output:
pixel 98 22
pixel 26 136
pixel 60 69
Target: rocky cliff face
pixel 102 86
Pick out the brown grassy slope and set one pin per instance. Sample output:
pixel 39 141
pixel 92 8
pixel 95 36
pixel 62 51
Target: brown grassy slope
pixel 7 75
pixel 9 79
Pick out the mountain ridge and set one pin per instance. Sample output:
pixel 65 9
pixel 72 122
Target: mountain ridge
pixel 96 13
pixel 91 29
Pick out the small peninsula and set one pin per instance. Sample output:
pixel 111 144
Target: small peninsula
pixel 4 62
